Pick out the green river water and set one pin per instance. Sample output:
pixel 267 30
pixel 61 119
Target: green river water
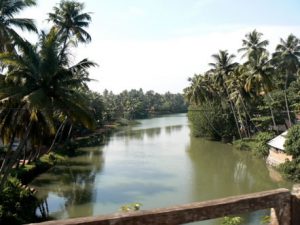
pixel 157 163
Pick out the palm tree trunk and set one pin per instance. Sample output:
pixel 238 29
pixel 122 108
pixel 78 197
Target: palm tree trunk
pixel 56 135
pixel 70 131
pixel 286 100
pixel 233 112
pixel 242 122
pixel 7 156
pixel 5 171
pixel 272 114
pixel 247 113
pixel 63 49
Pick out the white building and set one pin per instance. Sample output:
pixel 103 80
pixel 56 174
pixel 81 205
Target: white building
pixel 277 154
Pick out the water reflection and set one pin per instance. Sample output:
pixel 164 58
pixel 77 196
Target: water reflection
pixel 156 163
pixel 140 134
pixel 71 184
pixel 229 172
pixel 171 129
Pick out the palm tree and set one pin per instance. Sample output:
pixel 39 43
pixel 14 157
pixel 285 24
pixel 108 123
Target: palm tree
pixel 287 58
pixel 8 10
pixel 70 22
pixel 258 66
pixel 221 68
pixel 200 90
pixel 239 96
pixel 253 44
pixel 259 73
pixel 38 85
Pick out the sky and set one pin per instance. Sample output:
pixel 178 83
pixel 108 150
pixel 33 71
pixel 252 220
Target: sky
pixel 157 44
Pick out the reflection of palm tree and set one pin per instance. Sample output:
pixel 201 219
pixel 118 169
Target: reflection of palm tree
pixel 82 176
pixel 74 181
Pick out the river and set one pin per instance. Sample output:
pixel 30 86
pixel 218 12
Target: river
pixel 157 163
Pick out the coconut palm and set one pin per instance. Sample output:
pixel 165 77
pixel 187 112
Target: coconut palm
pixel 221 68
pixel 286 58
pixel 70 22
pixel 200 90
pixel 8 21
pixel 253 44
pixel 38 85
pixel 260 73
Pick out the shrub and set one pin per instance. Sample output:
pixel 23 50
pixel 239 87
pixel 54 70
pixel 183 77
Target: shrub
pixel 291 169
pixel 261 149
pixel 234 220
pixel 17 203
pixel 212 121
pixel 292 143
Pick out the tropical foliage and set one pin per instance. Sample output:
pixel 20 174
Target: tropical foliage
pixel 135 104
pixel 292 143
pixel 40 90
pixel 260 94
pixel 8 22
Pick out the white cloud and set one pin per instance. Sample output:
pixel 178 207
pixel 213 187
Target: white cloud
pixel 165 65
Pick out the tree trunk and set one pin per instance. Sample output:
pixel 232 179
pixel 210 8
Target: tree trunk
pixel 247 113
pixel 56 135
pixel 4 173
pixel 9 151
pixel 286 101
pixel 70 131
pixel 233 111
pixel 64 45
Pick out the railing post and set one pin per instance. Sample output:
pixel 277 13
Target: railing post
pixel 296 205
pixel 282 214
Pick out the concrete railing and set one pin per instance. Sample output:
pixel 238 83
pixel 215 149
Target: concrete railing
pixel 285 204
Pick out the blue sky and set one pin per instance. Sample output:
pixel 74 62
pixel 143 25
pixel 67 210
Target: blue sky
pixel 158 44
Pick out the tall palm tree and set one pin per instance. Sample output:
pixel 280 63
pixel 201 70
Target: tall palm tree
pixel 221 68
pixel 8 21
pixel 40 84
pixel 253 44
pixel 240 97
pixel 70 22
pixel 258 66
pixel 286 58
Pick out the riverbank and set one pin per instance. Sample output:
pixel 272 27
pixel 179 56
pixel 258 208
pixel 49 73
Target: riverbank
pixel 18 197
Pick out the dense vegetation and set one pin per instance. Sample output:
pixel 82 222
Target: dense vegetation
pixel 135 104
pixel 259 94
pixel 291 169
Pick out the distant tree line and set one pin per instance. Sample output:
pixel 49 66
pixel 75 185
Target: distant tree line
pixel 135 104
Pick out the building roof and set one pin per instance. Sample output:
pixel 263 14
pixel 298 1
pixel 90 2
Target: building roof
pixel 278 142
